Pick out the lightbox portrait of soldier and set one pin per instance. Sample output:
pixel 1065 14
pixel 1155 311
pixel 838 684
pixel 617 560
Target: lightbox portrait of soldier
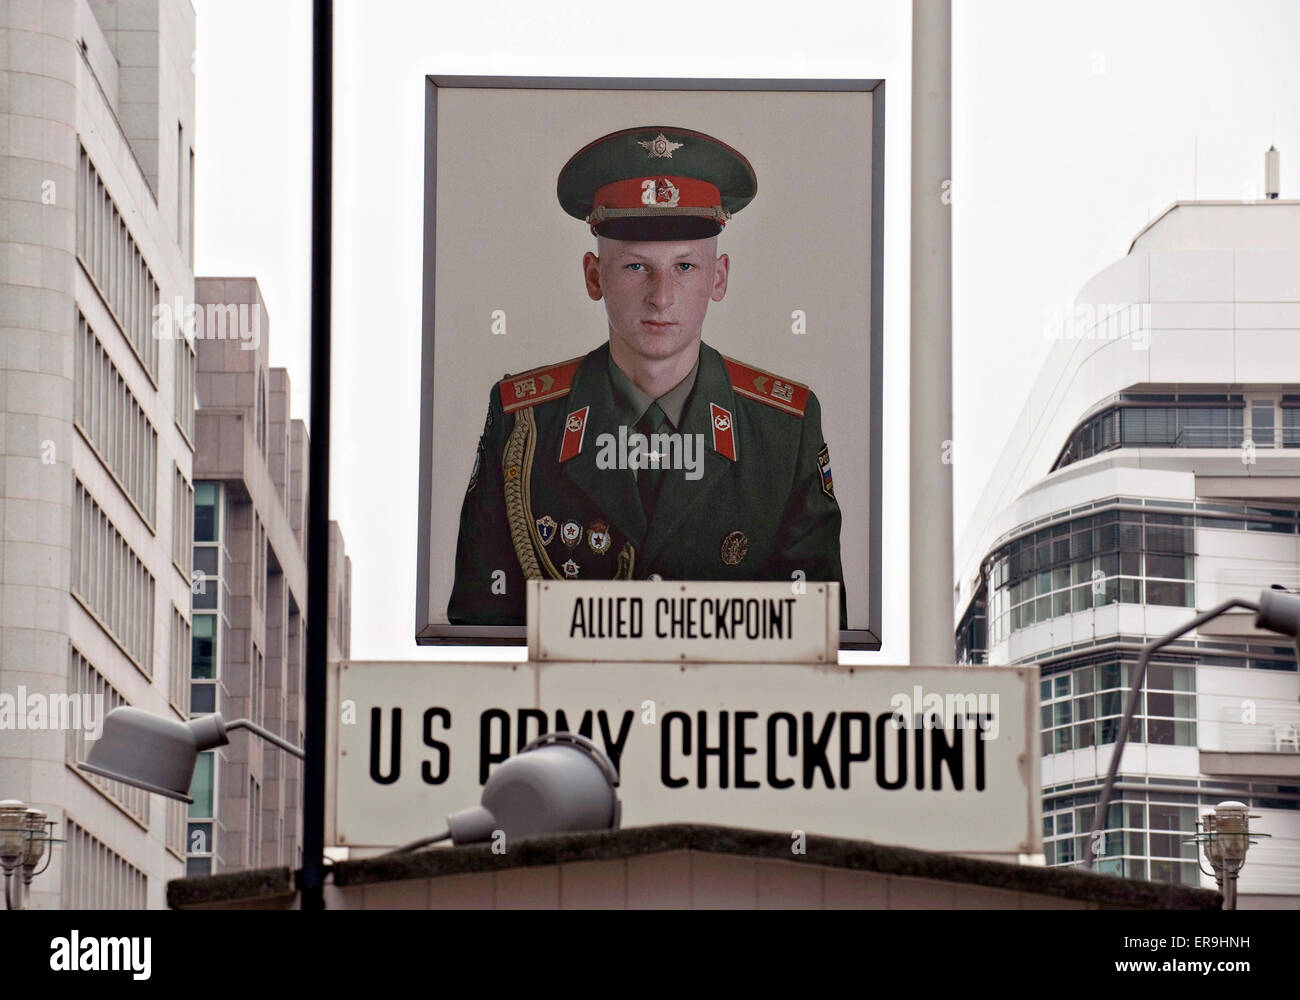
pixel 652 456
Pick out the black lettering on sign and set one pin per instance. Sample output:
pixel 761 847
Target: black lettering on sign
pixel 743 750
pixel 665 746
pixel 444 751
pixel 792 746
pixel 706 751
pixel 942 752
pixel 526 714
pixel 847 754
pixel 487 756
pixel 883 725
pixel 562 723
pixel 814 750
pixel 395 751
pixel 614 747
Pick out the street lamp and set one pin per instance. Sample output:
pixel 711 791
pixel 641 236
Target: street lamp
pixel 1225 837
pixel 1277 610
pixel 24 832
pixel 159 754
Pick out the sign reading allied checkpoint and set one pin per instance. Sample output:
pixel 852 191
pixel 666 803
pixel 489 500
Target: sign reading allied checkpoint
pixel 937 758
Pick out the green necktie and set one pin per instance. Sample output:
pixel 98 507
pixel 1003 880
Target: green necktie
pixel 649 480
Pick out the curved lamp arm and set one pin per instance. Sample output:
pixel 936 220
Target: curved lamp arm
pixel 1139 677
pixel 267 735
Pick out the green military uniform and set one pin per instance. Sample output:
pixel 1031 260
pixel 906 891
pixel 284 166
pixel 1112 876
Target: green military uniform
pixel 763 507
pixel 561 488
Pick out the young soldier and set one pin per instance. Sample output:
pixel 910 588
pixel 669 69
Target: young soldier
pixel 652 457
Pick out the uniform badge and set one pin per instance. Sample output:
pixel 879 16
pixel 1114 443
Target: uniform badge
pixel 824 463
pixel 575 428
pixel 570 569
pixel 724 431
pixel 546 528
pixel 598 539
pixel 571 533
pixel 734 547
pixel 659 146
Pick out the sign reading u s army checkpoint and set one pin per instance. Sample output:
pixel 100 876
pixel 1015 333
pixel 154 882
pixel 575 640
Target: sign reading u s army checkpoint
pixel 745 719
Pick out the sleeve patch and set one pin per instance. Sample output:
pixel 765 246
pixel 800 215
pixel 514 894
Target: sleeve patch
pixel 824 463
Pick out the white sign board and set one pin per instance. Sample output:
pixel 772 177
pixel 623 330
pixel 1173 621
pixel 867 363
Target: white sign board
pixel 614 621
pixel 937 758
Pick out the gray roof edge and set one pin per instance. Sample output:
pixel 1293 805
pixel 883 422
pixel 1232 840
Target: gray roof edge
pixel 833 852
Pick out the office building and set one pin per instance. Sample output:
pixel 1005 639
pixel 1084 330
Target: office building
pixel 250 587
pixel 97 173
pixel 1154 473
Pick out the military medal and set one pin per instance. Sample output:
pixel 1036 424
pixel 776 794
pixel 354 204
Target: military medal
pixel 598 539
pixel 571 533
pixel 724 432
pixel 734 547
pixel 570 569
pixel 546 528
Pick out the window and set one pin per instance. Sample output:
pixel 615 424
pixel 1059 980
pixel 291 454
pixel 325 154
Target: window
pixel 201 825
pixel 110 581
pixel 113 422
pixel 182 522
pixel 1262 423
pixel 97 878
pixel 1181 420
pixel 182 642
pixel 204 660
pixel 175 833
pixel 90 698
pixel 254 823
pixel 207 512
pixel 186 373
pixel 1130 557
pixel 115 266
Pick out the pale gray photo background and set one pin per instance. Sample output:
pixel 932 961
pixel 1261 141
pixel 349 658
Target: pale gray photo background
pixel 504 243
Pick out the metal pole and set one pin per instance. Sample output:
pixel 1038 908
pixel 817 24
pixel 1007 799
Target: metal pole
pixel 318 491
pixel 1130 707
pixel 930 590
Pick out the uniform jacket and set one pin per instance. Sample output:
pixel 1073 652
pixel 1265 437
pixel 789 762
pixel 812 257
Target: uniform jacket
pixel 540 505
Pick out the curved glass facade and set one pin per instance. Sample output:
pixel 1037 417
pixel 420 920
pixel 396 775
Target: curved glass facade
pixel 1129 557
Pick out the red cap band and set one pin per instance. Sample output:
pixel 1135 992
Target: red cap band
pixel 659 191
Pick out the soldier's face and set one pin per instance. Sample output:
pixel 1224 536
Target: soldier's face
pixel 656 293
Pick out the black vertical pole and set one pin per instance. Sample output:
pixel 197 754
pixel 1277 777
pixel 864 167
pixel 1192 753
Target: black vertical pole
pixel 318 490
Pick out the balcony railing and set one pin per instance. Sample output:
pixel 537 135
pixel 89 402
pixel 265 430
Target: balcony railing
pixel 1261 728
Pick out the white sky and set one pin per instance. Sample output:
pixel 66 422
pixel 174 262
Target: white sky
pixel 1073 123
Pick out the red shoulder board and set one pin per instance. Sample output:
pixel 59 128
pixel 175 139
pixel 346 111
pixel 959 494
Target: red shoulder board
pixel 538 385
pixel 792 397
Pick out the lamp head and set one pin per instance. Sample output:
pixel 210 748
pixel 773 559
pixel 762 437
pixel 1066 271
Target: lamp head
pixel 152 752
pixel 558 783
pixel 13 837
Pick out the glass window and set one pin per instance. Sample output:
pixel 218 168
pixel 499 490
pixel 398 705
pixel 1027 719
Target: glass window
pixel 207 506
pixel 203 647
pixel 201 786
pixel 203 698
pixel 197 867
pixel 206 558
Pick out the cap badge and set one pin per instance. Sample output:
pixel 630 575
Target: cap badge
pixel 660 192
pixel 570 569
pixel 659 146
pixel 734 547
pixel 570 532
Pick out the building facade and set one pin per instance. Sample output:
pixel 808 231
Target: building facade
pixel 250 587
pixel 96 230
pixel 1154 473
